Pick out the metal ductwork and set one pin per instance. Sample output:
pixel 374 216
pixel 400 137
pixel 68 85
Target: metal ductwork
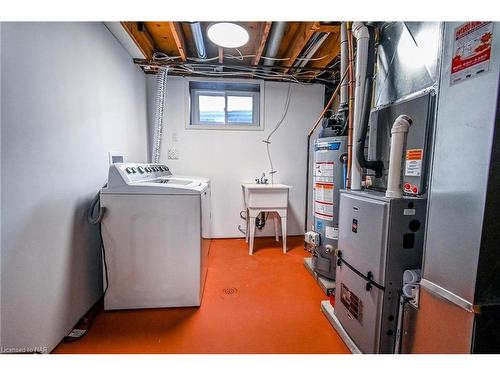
pixel 273 45
pixel 198 39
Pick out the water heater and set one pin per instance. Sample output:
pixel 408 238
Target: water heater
pixel 328 178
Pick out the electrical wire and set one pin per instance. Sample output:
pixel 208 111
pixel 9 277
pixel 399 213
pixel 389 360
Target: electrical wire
pixel 254 72
pixel 267 141
pixel 93 220
pixel 161 56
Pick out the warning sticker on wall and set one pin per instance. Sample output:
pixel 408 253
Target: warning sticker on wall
pixel 413 164
pixel 471 51
pixel 323 192
pixel 332 233
pixel 324 169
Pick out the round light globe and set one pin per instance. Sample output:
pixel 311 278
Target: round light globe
pixel 227 34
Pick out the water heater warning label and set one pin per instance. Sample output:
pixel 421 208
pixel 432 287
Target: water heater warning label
pixel 332 233
pixel 324 169
pixel 323 192
pixel 413 164
pixel 323 210
pixel 323 200
pixel 471 51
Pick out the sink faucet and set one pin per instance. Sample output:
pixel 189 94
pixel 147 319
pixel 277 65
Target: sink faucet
pixel 262 179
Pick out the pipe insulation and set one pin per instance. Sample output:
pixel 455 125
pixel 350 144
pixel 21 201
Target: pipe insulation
pixel 399 133
pixel 277 32
pixel 360 32
pixel 161 100
pixel 344 52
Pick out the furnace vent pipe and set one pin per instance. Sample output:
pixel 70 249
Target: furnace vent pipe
pixel 399 132
pixel 198 39
pixel 360 32
pixel 344 53
pixel 277 32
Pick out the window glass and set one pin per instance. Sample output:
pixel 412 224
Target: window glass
pixel 212 108
pixel 240 109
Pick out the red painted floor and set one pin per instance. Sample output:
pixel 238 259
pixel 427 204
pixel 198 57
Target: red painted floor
pixel 274 308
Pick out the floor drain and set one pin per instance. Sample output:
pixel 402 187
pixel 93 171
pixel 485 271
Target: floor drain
pixel 229 290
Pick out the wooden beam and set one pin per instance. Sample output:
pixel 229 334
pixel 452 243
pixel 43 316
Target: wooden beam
pixel 328 28
pixel 178 35
pixel 262 44
pixel 141 38
pixel 330 49
pixel 301 38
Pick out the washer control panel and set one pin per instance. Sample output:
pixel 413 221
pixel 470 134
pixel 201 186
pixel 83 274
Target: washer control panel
pixel 126 173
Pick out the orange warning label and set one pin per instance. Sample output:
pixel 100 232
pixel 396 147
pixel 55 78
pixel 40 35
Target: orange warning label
pixel 414 154
pixel 325 185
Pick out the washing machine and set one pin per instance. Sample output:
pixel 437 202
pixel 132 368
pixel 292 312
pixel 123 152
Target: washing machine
pixel 156 236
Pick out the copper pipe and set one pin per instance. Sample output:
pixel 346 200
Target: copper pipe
pixel 329 104
pixel 352 83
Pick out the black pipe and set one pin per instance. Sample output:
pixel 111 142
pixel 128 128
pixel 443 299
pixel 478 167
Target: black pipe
pixel 307 183
pixel 376 165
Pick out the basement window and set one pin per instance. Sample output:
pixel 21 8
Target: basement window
pixel 225 105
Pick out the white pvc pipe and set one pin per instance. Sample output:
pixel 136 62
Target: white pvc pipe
pixel 343 63
pixel 360 32
pixel 399 132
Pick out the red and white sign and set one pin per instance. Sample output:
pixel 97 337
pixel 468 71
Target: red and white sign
pixel 471 50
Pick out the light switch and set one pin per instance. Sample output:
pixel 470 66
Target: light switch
pixel 173 154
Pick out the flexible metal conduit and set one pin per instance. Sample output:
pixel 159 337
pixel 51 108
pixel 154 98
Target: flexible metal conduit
pixel 198 39
pixel 277 32
pixel 161 95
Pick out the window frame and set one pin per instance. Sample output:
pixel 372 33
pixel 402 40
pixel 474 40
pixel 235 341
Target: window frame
pixel 193 122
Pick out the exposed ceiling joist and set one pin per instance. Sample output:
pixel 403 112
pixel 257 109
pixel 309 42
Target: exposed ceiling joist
pixel 262 43
pixel 141 38
pixel 179 39
pixel 303 35
pixel 175 40
pixel 328 28
pixel 330 49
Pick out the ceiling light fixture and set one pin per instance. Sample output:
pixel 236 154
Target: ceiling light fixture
pixel 227 34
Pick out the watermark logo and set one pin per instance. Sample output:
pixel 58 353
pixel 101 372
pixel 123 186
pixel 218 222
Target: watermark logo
pixel 24 350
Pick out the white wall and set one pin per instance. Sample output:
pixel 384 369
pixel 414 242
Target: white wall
pixel 231 157
pixel 69 94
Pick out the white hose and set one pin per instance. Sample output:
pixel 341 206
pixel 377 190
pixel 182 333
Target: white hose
pixel 278 124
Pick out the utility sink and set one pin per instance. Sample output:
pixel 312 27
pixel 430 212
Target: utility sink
pixel 265 195
pixel 265 198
